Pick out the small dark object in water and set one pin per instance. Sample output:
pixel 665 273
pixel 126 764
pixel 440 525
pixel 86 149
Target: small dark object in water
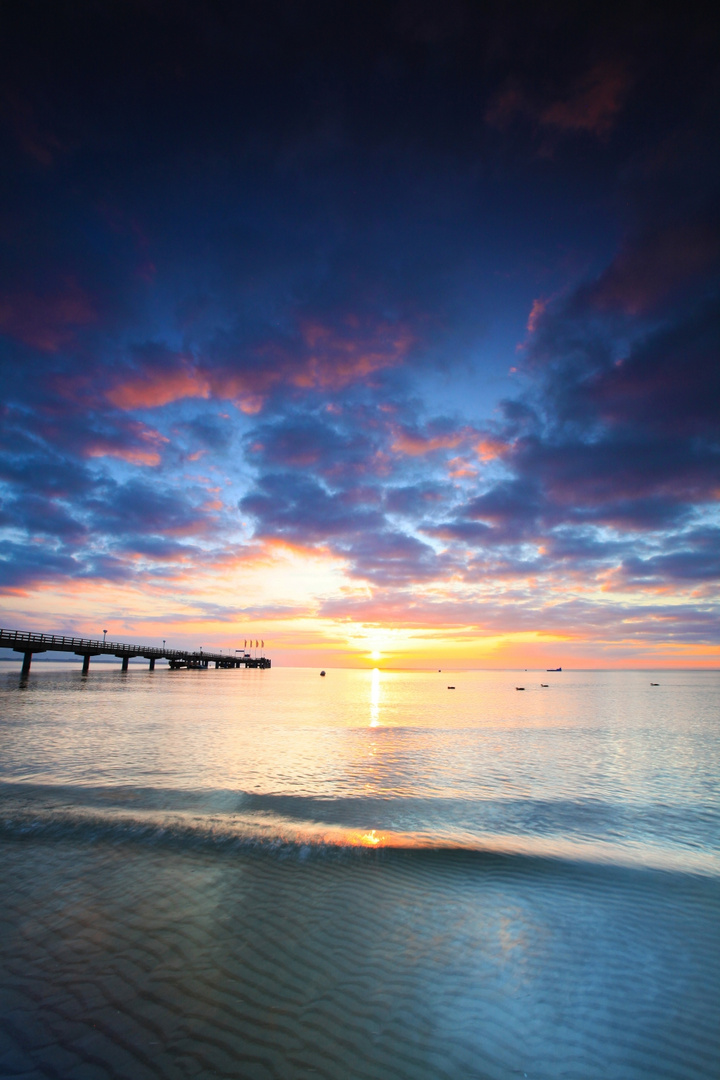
pixel 544 684
pixel 519 687
pixel 322 672
pixel 451 687
pixel 654 683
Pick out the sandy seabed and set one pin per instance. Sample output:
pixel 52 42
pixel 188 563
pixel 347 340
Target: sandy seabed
pixel 131 960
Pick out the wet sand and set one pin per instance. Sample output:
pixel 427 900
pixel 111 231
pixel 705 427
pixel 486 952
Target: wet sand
pixel 145 960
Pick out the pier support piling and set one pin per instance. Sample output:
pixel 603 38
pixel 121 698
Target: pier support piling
pixel 27 660
pixel 86 663
pixel 125 663
pixel 151 665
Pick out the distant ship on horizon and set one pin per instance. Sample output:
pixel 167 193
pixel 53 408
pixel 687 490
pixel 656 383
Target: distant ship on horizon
pixel 553 669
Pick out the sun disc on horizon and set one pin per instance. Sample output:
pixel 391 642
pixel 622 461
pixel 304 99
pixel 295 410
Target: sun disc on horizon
pixel 375 655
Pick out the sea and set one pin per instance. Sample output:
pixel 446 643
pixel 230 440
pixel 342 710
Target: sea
pixel 416 875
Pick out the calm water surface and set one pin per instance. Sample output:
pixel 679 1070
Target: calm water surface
pixel 269 873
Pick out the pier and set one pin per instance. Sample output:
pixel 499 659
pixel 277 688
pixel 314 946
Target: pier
pixel 29 644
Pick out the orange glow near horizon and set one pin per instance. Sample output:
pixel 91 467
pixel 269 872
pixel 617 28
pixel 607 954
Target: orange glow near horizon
pixel 300 639
pixel 301 602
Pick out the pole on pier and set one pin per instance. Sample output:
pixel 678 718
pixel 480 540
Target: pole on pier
pixel 27 660
pixel 86 663
pixel 125 663
pixel 151 666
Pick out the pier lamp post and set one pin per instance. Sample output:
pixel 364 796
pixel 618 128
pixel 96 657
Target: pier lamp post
pixel 163 644
pixel 104 635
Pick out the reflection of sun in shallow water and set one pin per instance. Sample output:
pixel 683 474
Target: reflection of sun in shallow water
pixel 371 839
pixel 375 698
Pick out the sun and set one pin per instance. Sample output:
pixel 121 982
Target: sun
pixel 375 655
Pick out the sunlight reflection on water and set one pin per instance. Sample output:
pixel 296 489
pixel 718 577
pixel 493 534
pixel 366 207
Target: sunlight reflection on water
pixel 600 759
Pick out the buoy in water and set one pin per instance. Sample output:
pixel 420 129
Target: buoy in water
pixel 322 672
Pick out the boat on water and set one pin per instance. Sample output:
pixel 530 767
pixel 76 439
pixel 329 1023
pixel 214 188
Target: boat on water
pixel 553 669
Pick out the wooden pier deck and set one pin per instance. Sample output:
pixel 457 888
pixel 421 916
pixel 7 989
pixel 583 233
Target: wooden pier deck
pixel 29 643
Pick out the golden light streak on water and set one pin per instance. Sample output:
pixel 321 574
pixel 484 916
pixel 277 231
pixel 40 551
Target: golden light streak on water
pixel 375 698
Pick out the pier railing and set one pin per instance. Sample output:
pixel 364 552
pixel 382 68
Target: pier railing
pixel 29 642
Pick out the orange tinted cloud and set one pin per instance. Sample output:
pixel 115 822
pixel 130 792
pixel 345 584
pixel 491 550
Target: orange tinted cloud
pixel 459 468
pixel 134 455
pixel 536 312
pixel 330 358
pixel 341 355
pixel 415 445
pixel 488 449
pixel 155 388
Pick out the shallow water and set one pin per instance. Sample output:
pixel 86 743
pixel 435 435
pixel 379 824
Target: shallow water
pixel 265 874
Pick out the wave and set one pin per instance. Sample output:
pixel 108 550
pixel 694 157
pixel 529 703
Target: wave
pixel 301 827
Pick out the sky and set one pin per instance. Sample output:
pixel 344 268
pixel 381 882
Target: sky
pixel 383 332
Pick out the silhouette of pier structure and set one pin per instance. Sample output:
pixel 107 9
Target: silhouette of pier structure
pixel 29 643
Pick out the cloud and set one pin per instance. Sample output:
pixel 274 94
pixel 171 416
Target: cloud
pixel 46 322
pixel 132 442
pixel 251 309
pixel 414 500
pixel 301 440
pixel 318 357
pixel 23 567
pixel 695 559
pixel 152 389
pixel 417 444
pixel 297 507
pixel 589 104
pixel 137 508
pixel 593 102
pixel 653 267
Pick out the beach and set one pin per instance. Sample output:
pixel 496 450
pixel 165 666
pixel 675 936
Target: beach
pixel 150 929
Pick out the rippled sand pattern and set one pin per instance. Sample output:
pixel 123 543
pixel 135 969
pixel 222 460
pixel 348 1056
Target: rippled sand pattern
pixel 134 961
